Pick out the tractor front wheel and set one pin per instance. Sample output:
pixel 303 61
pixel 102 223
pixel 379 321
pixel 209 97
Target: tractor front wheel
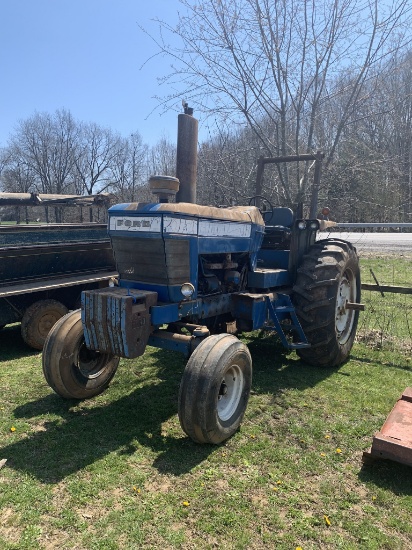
pixel 327 284
pixel 215 389
pixel 70 368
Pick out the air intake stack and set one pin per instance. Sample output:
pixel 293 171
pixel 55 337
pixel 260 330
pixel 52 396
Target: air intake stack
pixel 164 187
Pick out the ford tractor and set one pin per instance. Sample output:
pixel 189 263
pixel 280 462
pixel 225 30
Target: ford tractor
pixel 193 278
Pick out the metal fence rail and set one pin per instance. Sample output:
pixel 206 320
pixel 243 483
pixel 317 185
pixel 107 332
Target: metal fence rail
pixel 386 322
pixel 378 243
pixel 386 273
pixel 391 225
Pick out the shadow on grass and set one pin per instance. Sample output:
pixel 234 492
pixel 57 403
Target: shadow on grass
pixel 275 368
pixel 12 345
pixel 385 364
pixel 388 475
pixel 84 434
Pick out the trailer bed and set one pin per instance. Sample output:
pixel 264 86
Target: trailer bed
pixel 57 282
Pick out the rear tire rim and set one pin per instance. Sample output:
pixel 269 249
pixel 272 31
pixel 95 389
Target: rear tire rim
pixel 230 392
pixel 345 317
pixel 46 323
pixel 90 363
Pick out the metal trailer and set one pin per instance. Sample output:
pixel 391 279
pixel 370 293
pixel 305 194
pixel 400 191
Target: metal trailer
pixel 193 277
pixel 394 440
pixel 43 270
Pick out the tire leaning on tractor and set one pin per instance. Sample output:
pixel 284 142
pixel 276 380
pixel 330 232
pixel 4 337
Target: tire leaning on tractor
pixel 38 319
pixel 327 279
pixel 215 389
pixel 70 368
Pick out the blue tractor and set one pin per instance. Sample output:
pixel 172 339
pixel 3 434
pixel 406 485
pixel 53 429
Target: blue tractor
pixel 193 277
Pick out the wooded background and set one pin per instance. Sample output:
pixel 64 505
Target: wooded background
pixel 267 77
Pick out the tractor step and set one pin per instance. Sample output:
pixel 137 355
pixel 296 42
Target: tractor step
pixel 286 307
pixel 268 278
pixel 298 345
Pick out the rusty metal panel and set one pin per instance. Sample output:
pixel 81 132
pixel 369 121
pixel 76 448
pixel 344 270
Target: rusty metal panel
pixel 394 440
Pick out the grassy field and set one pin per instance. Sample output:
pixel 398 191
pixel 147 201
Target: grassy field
pixel 387 320
pixel 117 471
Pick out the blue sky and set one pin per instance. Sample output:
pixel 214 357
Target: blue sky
pixel 85 56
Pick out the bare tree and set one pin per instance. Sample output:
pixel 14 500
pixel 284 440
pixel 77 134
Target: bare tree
pixel 397 91
pixel 129 168
pixel 225 167
pixel 17 176
pixel 277 65
pixel 162 158
pixel 370 178
pixel 97 149
pixel 5 156
pixel 47 143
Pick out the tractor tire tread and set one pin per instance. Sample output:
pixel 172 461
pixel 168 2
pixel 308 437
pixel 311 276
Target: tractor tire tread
pixel 315 295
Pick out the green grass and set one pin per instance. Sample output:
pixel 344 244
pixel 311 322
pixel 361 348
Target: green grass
pixel 115 471
pixel 387 321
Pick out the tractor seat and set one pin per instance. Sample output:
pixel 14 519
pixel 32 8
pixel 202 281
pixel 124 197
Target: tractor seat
pixel 278 229
pixel 281 217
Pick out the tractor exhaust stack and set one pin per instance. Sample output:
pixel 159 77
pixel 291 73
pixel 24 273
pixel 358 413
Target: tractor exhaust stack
pixel 186 156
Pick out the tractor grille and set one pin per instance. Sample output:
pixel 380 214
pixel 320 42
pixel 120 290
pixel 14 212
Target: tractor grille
pixel 156 261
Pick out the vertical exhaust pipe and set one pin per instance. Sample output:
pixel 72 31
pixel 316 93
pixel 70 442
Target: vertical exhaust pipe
pixel 186 156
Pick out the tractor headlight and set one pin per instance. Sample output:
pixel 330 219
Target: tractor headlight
pixel 314 225
pixel 187 290
pixel 302 225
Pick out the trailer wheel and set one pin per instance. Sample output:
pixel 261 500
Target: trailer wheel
pixel 70 368
pixel 327 280
pixel 215 389
pixel 38 319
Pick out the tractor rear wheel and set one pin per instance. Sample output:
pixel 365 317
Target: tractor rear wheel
pixel 70 368
pixel 327 280
pixel 215 389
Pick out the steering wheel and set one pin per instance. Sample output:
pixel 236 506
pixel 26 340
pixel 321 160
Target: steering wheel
pixel 263 203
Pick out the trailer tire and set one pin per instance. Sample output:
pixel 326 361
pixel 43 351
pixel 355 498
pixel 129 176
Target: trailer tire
pixel 38 319
pixel 70 368
pixel 215 389
pixel 327 279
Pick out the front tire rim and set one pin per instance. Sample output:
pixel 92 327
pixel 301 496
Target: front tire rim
pixel 345 317
pixel 230 392
pixel 90 363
